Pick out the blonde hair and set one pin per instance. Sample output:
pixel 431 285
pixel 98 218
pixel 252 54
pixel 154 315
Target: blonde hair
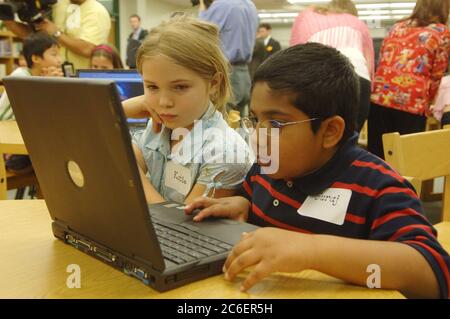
pixel 193 44
pixel 337 6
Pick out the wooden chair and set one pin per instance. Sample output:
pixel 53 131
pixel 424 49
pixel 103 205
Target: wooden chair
pixel 363 135
pixel 9 180
pixel 427 194
pixel 421 156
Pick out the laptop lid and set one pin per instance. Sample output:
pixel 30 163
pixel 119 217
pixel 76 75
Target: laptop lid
pixel 129 84
pixel 76 134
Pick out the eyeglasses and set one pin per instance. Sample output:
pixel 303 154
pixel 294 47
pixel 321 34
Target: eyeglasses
pixel 270 125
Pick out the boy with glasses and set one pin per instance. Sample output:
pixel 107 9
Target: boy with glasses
pixel 331 206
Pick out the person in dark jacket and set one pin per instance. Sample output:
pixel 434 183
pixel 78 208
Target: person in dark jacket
pixel 134 40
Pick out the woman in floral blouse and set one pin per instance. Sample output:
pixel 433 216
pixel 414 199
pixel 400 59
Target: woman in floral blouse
pixel 413 59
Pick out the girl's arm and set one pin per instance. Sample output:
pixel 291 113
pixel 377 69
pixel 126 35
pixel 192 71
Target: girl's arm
pixel 151 195
pixel 199 189
pixel 137 108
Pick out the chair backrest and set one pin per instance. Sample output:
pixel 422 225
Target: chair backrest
pixel 421 156
pixel 3 192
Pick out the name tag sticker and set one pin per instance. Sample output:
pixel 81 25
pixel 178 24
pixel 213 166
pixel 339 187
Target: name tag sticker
pixel 330 206
pixel 178 177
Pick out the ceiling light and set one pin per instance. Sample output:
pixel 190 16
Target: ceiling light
pixel 386 5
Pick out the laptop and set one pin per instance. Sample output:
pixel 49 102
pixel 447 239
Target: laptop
pixel 76 134
pixel 129 84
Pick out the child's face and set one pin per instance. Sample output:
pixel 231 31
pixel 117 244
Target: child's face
pixel 50 58
pixel 179 95
pixel 101 63
pixel 300 150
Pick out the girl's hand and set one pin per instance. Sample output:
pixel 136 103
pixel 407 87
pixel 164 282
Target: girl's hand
pixel 235 207
pixel 136 107
pixel 269 250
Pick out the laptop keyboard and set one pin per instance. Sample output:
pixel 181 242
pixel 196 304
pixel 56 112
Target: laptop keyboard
pixel 181 248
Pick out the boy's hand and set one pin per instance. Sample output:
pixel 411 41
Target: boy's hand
pixel 269 250
pixel 235 207
pixel 51 71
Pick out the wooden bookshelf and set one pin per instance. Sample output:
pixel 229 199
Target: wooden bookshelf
pixel 8 55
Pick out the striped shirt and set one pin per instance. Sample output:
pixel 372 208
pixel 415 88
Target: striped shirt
pixel 6 111
pixel 383 205
pixel 342 31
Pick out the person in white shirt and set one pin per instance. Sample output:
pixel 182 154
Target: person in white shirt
pixel 42 56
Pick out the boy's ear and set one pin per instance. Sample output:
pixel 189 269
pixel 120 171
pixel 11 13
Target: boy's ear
pixel 36 59
pixel 333 130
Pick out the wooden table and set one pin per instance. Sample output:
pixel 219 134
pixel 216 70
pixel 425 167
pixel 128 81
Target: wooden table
pixel 33 265
pixel 10 138
pixel 11 142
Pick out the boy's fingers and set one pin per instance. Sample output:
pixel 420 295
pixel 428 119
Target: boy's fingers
pixel 246 259
pixel 199 202
pixel 237 250
pixel 261 271
pixel 211 211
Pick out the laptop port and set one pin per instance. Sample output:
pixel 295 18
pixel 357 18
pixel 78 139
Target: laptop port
pixel 104 255
pixel 140 273
pixel 137 273
pixel 83 244
pixel 71 240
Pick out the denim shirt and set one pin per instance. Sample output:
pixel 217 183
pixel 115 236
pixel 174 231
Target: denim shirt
pixel 211 154
pixel 238 22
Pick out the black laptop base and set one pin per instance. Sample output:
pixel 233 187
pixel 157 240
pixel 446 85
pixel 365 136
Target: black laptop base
pixel 168 280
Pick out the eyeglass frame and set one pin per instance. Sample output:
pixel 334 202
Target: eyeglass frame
pixel 278 124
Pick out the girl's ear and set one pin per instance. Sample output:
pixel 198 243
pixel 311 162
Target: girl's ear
pixel 333 130
pixel 214 85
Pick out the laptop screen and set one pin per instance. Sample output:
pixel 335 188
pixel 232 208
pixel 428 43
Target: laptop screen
pixel 128 82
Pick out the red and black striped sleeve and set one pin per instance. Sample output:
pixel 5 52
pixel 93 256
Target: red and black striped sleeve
pixel 397 215
pixel 246 189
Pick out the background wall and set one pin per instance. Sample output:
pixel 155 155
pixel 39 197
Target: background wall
pixel 153 12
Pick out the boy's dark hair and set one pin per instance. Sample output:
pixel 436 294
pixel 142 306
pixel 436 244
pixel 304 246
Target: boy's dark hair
pixel 321 79
pixel 266 26
pixel 37 44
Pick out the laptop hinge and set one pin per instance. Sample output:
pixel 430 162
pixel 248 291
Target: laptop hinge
pixel 147 263
pixel 61 224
